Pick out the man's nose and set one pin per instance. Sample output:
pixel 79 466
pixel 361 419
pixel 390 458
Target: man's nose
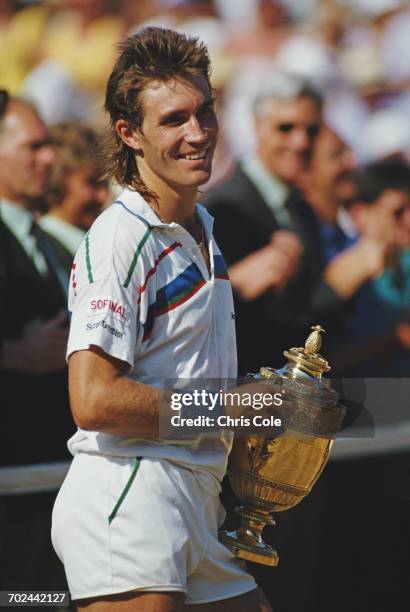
pixel 47 155
pixel 195 132
pixel 348 160
pixel 301 141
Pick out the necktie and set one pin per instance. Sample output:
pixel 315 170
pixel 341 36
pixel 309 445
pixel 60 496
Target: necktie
pixel 57 271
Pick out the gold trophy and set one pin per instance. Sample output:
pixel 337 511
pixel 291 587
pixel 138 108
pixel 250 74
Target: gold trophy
pixel 275 474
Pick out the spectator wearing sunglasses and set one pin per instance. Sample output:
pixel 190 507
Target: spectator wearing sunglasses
pixel 267 232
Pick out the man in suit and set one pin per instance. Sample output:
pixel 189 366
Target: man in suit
pixel 268 233
pixel 33 284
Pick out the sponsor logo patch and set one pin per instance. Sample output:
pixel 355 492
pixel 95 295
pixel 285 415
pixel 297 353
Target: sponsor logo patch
pixel 106 304
pixel 111 330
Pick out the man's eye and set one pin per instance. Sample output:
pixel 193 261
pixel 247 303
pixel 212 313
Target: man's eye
pixel 176 119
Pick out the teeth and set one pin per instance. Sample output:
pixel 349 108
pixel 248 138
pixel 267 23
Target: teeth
pixel 199 155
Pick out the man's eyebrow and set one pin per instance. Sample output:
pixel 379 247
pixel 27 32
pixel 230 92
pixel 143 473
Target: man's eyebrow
pixel 209 101
pixel 171 112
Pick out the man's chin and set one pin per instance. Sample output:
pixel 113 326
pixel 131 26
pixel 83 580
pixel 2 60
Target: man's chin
pixel 200 178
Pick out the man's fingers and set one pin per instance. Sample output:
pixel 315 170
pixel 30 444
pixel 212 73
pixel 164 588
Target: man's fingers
pixel 287 241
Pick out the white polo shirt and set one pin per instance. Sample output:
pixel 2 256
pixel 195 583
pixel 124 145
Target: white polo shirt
pixel 140 290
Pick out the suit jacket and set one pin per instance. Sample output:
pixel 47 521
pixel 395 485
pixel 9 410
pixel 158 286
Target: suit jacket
pixel 35 415
pixel 279 320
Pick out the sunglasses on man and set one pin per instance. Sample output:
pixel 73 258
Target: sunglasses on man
pixel 286 127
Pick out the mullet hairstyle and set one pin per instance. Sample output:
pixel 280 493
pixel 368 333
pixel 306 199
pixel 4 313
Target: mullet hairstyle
pixel 152 55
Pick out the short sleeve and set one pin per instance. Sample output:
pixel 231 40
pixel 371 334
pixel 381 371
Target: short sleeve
pixel 104 283
pixel 105 315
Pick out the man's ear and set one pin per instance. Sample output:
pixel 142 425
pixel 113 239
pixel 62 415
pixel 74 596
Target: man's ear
pixel 128 134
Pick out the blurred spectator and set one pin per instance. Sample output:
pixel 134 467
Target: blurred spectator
pixel 265 36
pixel 263 225
pixel 36 420
pixel 134 13
pixel 312 51
pixel 351 259
pixel 330 181
pixel 329 185
pixel 269 237
pixel 197 18
pixel 20 33
pixel 395 49
pixel 76 191
pixel 375 342
pixel 75 52
pixel 54 92
pixel 82 38
pixel 387 132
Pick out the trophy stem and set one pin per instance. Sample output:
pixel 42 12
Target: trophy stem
pixel 246 542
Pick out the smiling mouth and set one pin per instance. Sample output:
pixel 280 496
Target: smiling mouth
pixel 196 155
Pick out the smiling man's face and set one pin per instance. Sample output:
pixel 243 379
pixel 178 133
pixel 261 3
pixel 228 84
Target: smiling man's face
pixel 178 135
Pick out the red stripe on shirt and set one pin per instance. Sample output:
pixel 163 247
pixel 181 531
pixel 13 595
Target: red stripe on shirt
pixel 151 272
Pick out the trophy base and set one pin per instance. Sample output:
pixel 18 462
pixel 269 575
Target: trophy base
pixel 258 552
pixel 246 542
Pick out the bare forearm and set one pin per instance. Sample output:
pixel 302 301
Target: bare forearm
pixel 129 409
pixel 345 284
pixel 104 399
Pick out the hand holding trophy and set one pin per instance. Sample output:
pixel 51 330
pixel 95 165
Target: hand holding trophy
pixel 275 473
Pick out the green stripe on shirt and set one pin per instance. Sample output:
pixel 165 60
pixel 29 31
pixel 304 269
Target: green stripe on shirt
pixel 87 259
pixel 136 255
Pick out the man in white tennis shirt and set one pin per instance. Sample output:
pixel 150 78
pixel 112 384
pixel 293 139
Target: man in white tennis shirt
pixel 136 520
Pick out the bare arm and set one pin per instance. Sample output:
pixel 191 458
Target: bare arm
pixel 103 399
pixel 354 266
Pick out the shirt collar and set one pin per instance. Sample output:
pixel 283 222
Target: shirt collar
pixel 18 219
pixel 135 203
pixel 268 183
pixel 345 222
pixel 69 235
pixel 273 191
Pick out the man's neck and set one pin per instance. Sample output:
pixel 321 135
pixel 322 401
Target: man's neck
pixel 58 212
pixel 266 169
pixel 17 200
pixel 173 204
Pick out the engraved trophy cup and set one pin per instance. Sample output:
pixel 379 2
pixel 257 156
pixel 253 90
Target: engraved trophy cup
pixel 274 474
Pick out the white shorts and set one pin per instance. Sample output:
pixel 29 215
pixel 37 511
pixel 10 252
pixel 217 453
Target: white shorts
pixel 119 526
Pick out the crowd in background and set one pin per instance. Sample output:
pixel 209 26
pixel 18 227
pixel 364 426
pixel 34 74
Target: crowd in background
pixel 310 192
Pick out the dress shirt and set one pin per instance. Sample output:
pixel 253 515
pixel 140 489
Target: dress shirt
pixel 273 191
pixel 65 233
pixel 20 221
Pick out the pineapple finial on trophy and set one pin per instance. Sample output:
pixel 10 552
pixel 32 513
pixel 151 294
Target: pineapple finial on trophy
pixel 308 359
pixel 314 340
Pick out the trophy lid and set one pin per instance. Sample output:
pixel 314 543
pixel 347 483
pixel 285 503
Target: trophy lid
pixel 308 358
